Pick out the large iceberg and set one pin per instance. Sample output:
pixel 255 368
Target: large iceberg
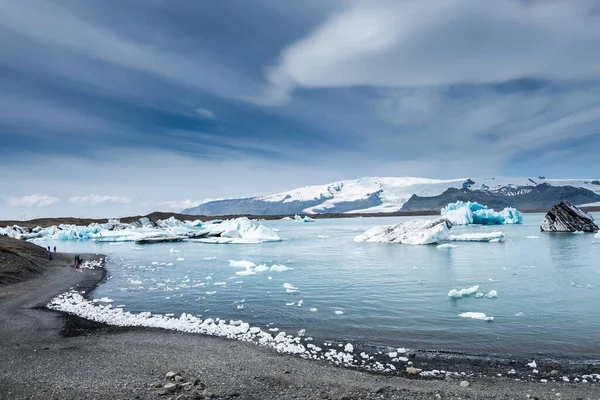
pixel 417 231
pixel 238 230
pixel 467 213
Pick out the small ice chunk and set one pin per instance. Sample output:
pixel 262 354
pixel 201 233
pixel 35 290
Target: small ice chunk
pixel 211 292
pixel 532 237
pixel 446 246
pixel 261 268
pixel 313 310
pixel 339 312
pixel 180 259
pixel 241 264
pixel 349 348
pixel 280 268
pixel 532 364
pixel 519 314
pixel 476 315
pixel 463 292
pixel 210 258
pixel 172 250
pixel 492 294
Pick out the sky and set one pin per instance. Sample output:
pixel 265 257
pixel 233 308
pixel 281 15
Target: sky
pixel 114 108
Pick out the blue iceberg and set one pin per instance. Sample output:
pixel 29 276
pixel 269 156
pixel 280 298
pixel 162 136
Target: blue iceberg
pixel 467 213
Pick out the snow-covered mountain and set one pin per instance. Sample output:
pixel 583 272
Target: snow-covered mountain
pixel 376 195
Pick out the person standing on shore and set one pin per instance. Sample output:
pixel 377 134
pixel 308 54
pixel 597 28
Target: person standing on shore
pixel 55 249
pixel 49 254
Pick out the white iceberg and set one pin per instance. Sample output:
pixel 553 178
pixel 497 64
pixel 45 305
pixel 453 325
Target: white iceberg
pixel 417 231
pixel 463 292
pixel 238 230
pixel 476 315
pixel 298 218
pixel 491 237
pixel 467 213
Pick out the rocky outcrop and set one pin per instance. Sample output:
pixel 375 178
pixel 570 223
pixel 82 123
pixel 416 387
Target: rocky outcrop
pixel 565 217
pixel 542 196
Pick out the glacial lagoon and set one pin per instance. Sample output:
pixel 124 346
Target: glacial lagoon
pixel 377 295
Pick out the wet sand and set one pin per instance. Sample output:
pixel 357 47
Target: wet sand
pixel 50 355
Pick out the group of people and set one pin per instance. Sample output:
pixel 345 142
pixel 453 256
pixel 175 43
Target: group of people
pixel 77 261
pixel 50 253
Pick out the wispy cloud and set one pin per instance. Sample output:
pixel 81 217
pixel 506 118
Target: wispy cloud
pixel 94 200
pixel 413 43
pixel 206 113
pixel 33 200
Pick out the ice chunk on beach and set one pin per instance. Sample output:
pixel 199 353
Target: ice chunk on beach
pixel 463 292
pixel 476 315
pixel 417 231
pixel 490 237
pixel 467 213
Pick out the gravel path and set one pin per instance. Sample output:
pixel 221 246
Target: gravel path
pixel 48 355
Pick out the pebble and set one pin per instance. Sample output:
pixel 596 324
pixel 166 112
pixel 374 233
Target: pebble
pixel 170 375
pixel 345 397
pixel 464 384
pixel 179 378
pixel 207 394
pixel 413 370
pixel 170 387
pixel 181 397
pixel 554 372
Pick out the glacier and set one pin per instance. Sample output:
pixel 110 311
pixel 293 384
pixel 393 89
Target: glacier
pixel 237 230
pixel 467 213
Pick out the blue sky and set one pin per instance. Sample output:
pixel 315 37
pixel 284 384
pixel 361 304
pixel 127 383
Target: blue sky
pixel 115 108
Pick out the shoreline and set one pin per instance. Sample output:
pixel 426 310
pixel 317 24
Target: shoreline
pixel 69 357
pixel 154 216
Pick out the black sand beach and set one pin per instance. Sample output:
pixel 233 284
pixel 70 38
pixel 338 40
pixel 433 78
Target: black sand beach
pixel 50 355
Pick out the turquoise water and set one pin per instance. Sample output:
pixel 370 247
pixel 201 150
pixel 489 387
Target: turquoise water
pixel 390 295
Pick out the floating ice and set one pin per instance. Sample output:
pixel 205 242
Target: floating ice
pixel 313 310
pixel 532 237
pixel 280 268
pixel 463 292
pixel 492 294
pixel 180 259
pixel 339 312
pixel 290 288
pixel 492 237
pixel 261 268
pixel 476 315
pixel 461 213
pixel 238 230
pixel 298 218
pixel 532 364
pixel 220 284
pixel 213 292
pixel 519 314
pixel 417 231
pixel 446 246
pixel 173 250
pixel 210 258
pixel 241 264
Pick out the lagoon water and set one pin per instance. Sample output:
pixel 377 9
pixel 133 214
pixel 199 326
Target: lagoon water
pixel 382 295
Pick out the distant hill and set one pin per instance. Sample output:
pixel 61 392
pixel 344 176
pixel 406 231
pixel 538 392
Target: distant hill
pixel 388 195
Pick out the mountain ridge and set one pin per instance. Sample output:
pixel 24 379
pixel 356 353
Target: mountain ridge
pixel 391 194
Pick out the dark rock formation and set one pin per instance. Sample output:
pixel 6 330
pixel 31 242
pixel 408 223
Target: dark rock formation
pixel 542 196
pixel 565 217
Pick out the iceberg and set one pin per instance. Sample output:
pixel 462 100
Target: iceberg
pixel 237 230
pixel 492 237
pixel 298 218
pixel 476 315
pixel 467 213
pixel 463 292
pixel 417 231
